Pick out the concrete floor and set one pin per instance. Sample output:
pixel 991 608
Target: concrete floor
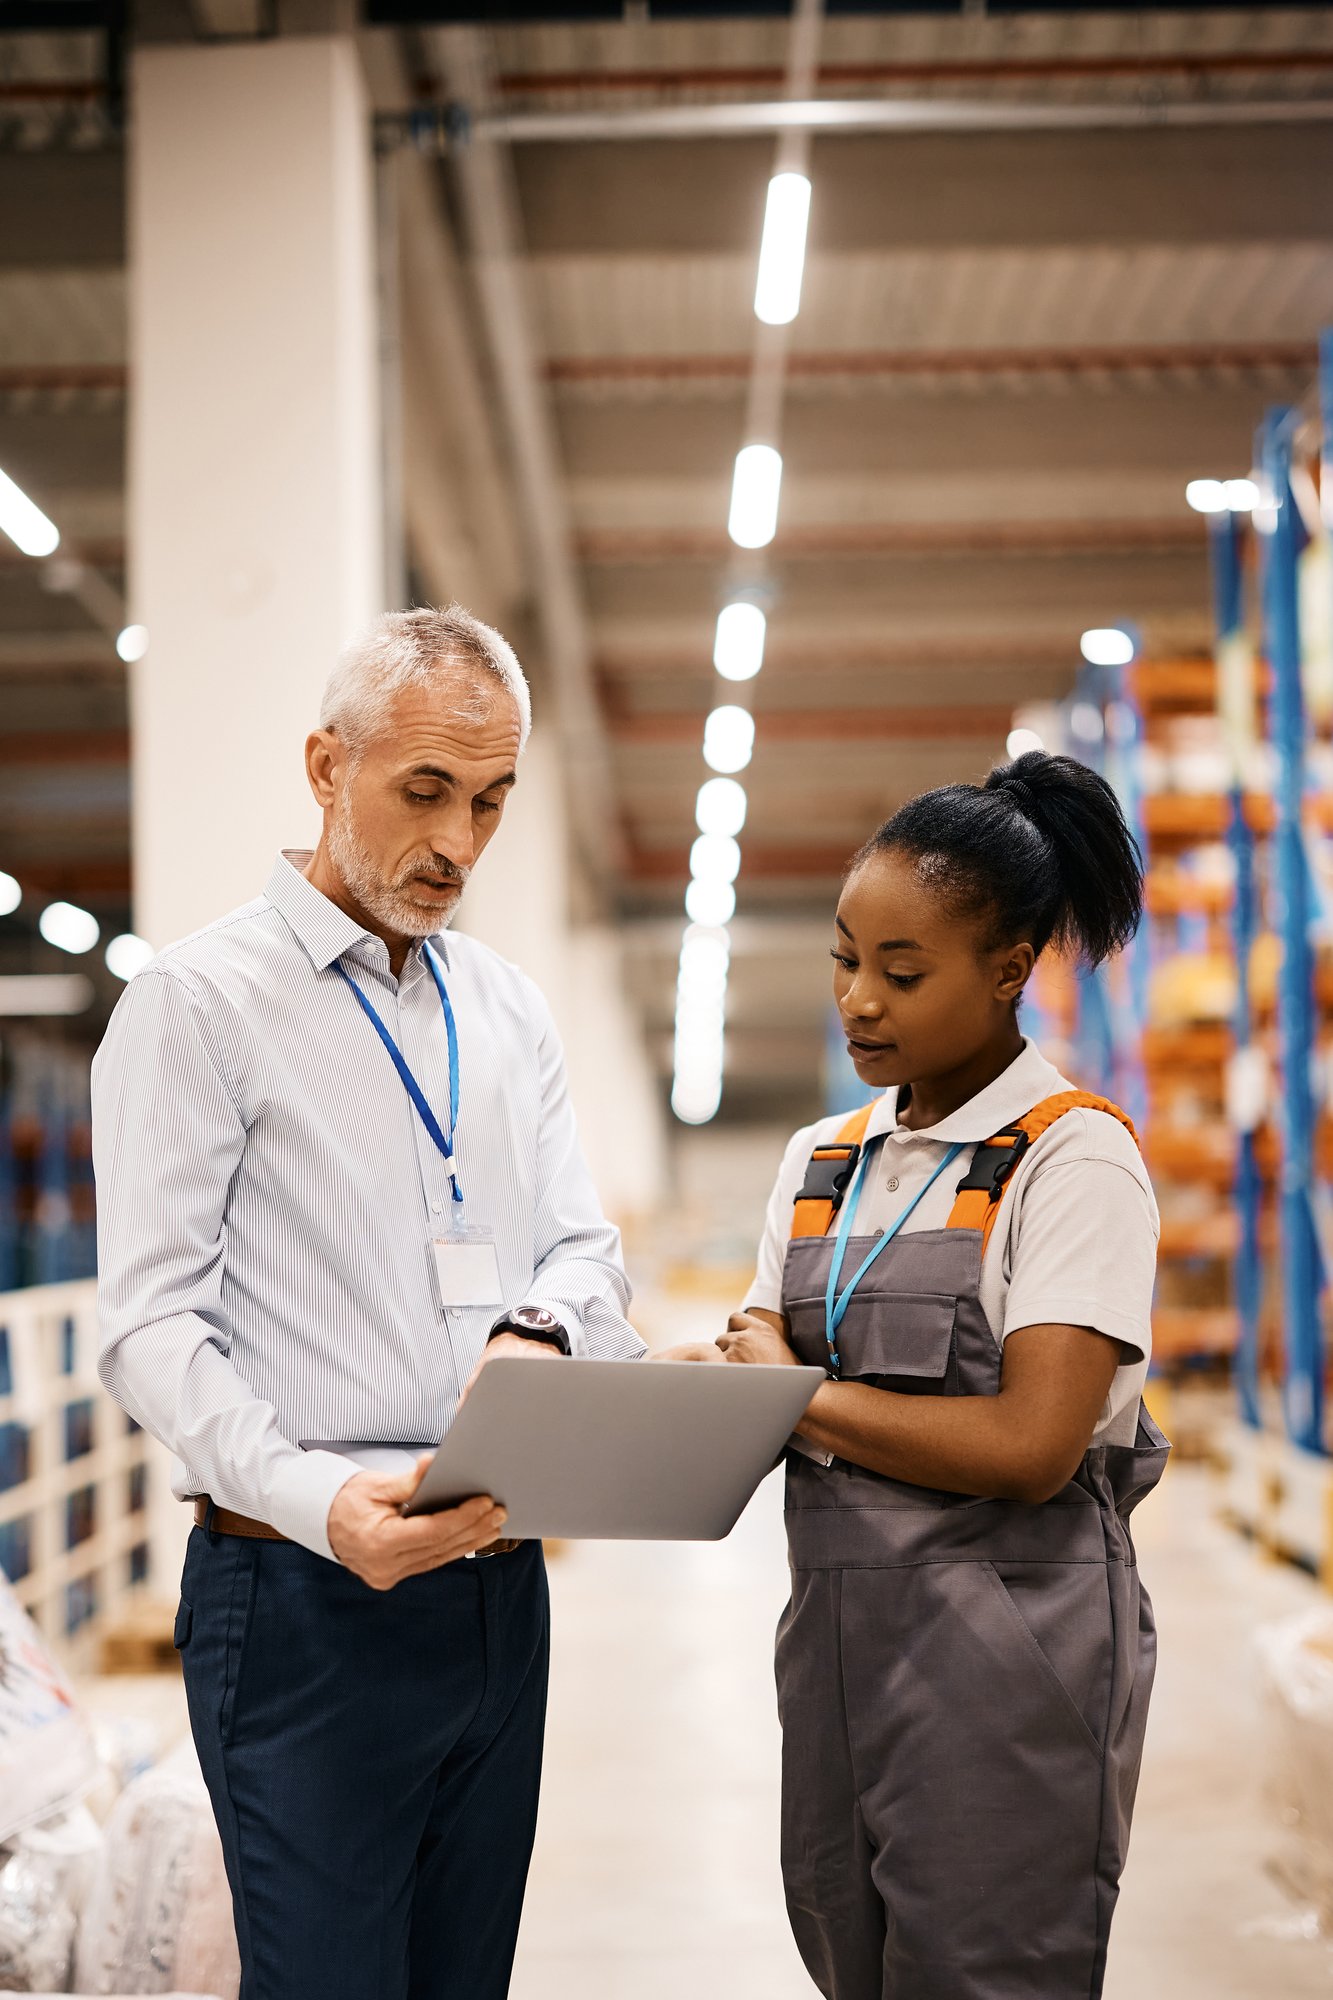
pixel 656 1872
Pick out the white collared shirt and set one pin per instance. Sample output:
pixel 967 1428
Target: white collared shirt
pixel 1075 1242
pixel 268 1197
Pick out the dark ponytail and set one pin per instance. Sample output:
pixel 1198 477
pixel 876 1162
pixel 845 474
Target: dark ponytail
pixel 1042 845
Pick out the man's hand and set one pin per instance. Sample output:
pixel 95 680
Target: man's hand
pixel 369 1536
pixel 758 1336
pixel 510 1343
pixel 691 1350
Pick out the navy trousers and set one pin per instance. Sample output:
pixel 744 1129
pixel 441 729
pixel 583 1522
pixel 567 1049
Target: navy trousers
pixel 373 1759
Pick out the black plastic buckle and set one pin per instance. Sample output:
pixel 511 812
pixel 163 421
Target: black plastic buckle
pixel 991 1178
pixel 829 1180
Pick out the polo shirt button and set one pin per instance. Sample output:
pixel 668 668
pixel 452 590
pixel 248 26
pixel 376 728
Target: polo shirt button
pixel 893 1184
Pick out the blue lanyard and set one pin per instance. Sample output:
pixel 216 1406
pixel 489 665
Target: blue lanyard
pixel 836 1302
pixel 443 1140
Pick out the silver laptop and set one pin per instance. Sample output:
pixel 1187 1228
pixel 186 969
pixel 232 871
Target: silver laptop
pixel 617 1450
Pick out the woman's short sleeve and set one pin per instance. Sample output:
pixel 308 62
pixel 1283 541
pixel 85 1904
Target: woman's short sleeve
pixel 766 1290
pixel 1083 1243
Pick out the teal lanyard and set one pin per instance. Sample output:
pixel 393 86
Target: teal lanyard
pixel 836 1302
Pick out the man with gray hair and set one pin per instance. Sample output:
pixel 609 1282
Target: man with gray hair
pixel 337 1168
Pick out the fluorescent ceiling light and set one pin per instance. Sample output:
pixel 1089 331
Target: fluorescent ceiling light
pixel 32 993
pixel 700 939
pixel 1085 722
pixel 704 964
pixel 1122 725
pixel 710 902
pixel 755 487
pixel 1222 496
pixel 1107 646
pixel 24 523
pixel 777 292
pixel 728 739
pixel 704 961
pixel 699 1021
pixel 715 857
pixel 132 643
pixel 69 927
pixel 695 1104
pixel 1020 740
pixel 738 648
pixel 697 984
pixel 701 1083
pixel 720 806
pixel 11 895
pixel 1206 496
pixel 128 954
pixel 699 1046
pixel 699 1061
pixel 700 1025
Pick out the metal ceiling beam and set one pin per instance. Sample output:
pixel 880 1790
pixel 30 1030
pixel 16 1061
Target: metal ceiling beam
pixel 81 876
pixel 894 722
pixel 754 935
pixel 487 197
pixel 1192 358
pixel 1195 65
pixel 64 746
pixel 628 547
pixel 449 126
pixel 106 554
pixel 442 451
pixel 830 654
pixel 903 723
pixel 764 861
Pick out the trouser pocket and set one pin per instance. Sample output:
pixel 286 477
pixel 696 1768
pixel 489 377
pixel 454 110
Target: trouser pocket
pixel 1061 1613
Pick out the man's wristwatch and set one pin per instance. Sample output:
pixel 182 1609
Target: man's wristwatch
pixel 532 1323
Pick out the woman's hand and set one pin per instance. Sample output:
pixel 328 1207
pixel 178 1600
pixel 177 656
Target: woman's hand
pixel 760 1337
pixel 691 1350
pixel 1024 1444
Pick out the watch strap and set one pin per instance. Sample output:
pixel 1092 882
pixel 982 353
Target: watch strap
pixel 555 1336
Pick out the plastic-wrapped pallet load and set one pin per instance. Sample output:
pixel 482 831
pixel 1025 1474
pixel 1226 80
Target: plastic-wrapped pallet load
pixel 48 1761
pixel 1297 1658
pixel 45 1873
pixel 158 1917
pixel 48 1758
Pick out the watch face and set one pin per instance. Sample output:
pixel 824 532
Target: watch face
pixel 535 1316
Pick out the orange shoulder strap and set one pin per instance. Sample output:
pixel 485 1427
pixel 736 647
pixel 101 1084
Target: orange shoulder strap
pixel 828 1177
pixel 977 1202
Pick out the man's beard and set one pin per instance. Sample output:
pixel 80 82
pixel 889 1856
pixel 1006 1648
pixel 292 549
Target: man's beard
pixel 392 903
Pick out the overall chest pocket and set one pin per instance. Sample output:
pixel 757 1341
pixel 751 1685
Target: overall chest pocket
pixel 892 1339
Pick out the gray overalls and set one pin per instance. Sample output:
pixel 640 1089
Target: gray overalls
pixel 963 1684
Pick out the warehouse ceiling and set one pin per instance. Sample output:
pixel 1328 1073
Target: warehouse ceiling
pixel 1015 346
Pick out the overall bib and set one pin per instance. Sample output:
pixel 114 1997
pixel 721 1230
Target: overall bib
pixel 963 1684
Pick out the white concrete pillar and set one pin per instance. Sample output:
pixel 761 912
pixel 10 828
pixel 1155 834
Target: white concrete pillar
pixel 254 519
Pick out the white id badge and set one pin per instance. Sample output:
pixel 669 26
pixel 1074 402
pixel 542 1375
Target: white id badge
pixel 468 1269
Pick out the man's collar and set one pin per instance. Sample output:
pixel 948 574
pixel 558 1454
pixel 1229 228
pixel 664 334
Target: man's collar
pixel 323 931
pixel 1028 1079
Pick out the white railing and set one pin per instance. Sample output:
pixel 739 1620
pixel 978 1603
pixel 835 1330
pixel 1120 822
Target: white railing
pixel 79 1518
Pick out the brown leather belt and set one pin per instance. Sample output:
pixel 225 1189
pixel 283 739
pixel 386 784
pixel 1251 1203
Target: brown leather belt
pixel 221 1521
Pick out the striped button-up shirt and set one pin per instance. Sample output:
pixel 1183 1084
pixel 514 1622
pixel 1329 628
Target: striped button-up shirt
pixel 268 1197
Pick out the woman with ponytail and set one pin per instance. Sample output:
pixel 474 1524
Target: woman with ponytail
pixel 965 1663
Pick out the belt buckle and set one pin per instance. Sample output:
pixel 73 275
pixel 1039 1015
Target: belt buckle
pixel 503 1545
